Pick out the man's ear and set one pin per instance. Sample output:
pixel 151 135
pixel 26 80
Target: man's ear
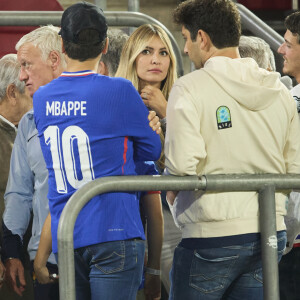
pixel 106 46
pixel 54 59
pixel 204 40
pixel 11 94
pixel 62 46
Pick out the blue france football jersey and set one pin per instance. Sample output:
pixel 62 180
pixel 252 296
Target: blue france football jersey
pixel 92 126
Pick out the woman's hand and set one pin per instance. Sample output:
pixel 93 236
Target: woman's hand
pixel 155 100
pixel 154 121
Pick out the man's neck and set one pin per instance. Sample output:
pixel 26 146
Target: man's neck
pixel 9 115
pixel 74 65
pixel 231 52
pixel 58 71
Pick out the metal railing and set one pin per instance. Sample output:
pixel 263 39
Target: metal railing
pixel 251 22
pixel 264 184
pixel 114 18
pixel 134 19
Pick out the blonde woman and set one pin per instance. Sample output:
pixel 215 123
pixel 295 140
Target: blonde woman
pixel 148 61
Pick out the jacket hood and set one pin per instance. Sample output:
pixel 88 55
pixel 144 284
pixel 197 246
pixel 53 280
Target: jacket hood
pixel 244 81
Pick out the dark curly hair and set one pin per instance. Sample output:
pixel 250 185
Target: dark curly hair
pixel 220 19
pixel 87 48
pixel 292 23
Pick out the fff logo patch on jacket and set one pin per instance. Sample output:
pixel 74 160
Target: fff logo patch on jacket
pixel 223 117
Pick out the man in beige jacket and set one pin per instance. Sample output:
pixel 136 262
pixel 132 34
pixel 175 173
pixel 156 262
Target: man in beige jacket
pixel 228 117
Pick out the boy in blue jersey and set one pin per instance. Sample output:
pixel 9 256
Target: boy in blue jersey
pixel 86 132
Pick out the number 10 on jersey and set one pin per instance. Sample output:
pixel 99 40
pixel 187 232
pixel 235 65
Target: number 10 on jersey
pixel 71 155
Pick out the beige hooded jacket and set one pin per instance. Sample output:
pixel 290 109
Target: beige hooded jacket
pixel 230 117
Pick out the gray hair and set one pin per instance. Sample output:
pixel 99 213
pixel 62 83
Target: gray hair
pixel 9 74
pixel 46 38
pixel 259 50
pixel 117 39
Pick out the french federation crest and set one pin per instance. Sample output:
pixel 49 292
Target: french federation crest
pixel 223 117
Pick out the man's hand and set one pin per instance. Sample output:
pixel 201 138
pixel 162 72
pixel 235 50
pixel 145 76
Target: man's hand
pixel 171 195
pixel 43 253
pixel 154 122
pixel 42 274
pixel 14 270
pixel 2 273
pixel 152 287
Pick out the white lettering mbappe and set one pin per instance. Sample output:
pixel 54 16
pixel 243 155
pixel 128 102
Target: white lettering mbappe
pixel 65 108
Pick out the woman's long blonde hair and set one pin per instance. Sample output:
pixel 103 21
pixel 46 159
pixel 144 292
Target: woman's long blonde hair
pixel 136 43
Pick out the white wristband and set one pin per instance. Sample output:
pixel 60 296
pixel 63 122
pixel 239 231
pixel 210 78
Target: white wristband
pixel 152 271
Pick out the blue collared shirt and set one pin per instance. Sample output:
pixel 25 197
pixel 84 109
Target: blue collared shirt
pixel 27 189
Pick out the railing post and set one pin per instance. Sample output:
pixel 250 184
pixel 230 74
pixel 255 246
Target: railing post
pixel 251 22
pixel 267 219
pixel 134 5
pixel 101 3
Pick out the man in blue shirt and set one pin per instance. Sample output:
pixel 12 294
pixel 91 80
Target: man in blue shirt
pixel 85 133
pixel 41 59
pixel 27 187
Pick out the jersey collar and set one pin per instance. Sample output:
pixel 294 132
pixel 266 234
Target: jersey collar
pixel 77 74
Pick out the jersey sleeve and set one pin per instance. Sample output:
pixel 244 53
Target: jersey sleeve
pixel 147 145
pixel 146 168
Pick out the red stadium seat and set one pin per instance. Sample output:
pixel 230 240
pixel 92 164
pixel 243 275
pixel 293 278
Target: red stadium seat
pixel 9 35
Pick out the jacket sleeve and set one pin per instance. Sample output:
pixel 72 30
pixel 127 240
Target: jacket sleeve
pixel 12 246
pixel 292 147
pixel 18 195
pixel 184 145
